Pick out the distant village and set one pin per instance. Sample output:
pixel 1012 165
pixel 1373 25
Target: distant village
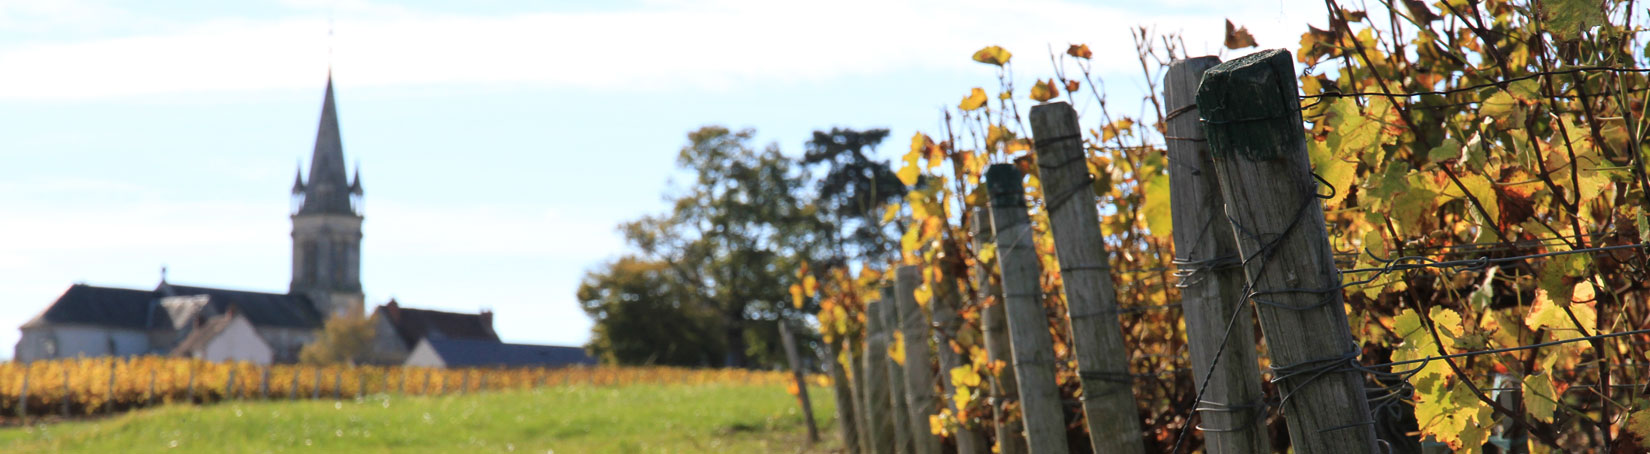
pixel 217 324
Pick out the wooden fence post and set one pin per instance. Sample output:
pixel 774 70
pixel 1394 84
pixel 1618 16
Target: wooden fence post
pixel 191 382
pixel 920 400
pixel 946 307
pixel 23 395
pixel 109 403
pixel 338 384
pixel 899 407
pixel 315 391
pixel 856 371
pixel 1004 390
pixel 1251 113
pixel 263 384
pixel 294 394
pixel 229 385
pixel 1085 268
pixel 801 382
pixel 1033 346
pixel 66 395
pixel 151 387
pixel 1211 279
pixel 846 418
pixel 877 399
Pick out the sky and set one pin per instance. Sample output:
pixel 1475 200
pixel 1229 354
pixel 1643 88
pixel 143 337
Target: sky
pixel 499 142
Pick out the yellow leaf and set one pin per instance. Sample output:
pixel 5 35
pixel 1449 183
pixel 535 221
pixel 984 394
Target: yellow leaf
pixel 908 174
pixel 923 294
pixel 896 349
pixel 1156 210
pixel 796 296
pixel 891 212
pixel 964 377
pixel 975 99
pixel 988 253
pixel 810 285
pixel 1044 91
pixel 993 55
pixel 1539 395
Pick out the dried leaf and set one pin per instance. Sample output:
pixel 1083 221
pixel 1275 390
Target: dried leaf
pixel 993 55
pixel 1238 37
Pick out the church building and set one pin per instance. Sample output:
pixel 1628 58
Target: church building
pixel 222 324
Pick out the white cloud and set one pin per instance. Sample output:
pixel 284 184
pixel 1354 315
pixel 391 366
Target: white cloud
pixel 665 46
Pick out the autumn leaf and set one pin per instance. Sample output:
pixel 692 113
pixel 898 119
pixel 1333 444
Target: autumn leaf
pixel 1044 91
pixel 974 100
pixel 1071 86
pixel 1567 19
pixel 993 55
pixel 796 295
pixel 1079 51
pixel 1238 37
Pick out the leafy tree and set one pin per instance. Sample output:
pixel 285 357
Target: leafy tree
pixel 345 339
pixel 854 190
pixel 732 239
pixel 644 315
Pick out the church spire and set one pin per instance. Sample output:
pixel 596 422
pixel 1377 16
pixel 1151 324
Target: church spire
pixel 327 191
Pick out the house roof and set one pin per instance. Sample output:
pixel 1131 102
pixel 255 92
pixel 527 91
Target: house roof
pixel 204 334
pixel 141 309
pixel 478 353
pixel 103 306
pixel 262 309
pixel 415 324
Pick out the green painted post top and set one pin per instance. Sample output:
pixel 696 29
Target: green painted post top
pixel 1251 106
pixel 1003 183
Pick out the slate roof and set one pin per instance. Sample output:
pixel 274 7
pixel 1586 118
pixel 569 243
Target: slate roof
pixel 480 353
pixel 104 306
pixel 415 324
pixel 140 309
pixel 262 309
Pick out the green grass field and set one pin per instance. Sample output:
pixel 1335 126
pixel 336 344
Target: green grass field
pixel 569 420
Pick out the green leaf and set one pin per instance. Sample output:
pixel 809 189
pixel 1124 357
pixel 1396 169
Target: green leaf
pixel 1482 190
pixel 1449 149
pixel 1356 132
pixel 1339 173
pixel 1566 19
pixel 1539 396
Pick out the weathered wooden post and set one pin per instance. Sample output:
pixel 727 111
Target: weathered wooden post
pixel 464 382
pixel 66 396
pixel 945 307
pixel 263 384
pixel 1004 390
pixel 109 402
pixel 1085 268
pixel 1211 279
pixel 191 382
pixel 801 382
pixel 856 371
pixel 920 400
pixel 338 384
pixel 846 419
pixel 151 397
pixel 1251 114
pixel 23 395
pixel 229 385
pixel 294 394
pixel 1045 421
pixel 877 399
pixel 425 391
pixel 899 407
pixel 315 391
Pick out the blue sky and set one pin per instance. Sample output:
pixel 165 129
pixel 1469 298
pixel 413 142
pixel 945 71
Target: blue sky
pixel 499 141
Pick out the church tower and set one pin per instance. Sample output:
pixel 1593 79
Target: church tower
pixel 326 225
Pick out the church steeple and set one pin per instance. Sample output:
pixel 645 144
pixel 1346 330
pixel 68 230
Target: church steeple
pixel 328 189
pixel 326 225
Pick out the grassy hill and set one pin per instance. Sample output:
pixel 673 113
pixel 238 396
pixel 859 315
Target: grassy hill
pixel 574 419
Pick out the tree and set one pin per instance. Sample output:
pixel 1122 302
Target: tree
pixel 854 190
pixel 733 238
pixel 644 316
pixel 343 339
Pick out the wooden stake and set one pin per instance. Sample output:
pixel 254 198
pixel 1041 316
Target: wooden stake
pixel 856 372
pixel 877 399
pixel 801 381
pixel 841 387
pixel 1251 114
pixel 1004 389
pixel 109 401
pixel 945 308
pixel 1085 268
pixel 1045 421
pixel 900 408
pixel 1211 284
pixel 919 369
pixel 23 395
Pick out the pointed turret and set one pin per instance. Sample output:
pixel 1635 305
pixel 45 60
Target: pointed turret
pixel 355 183
pixel 328 188
pixel 298 181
